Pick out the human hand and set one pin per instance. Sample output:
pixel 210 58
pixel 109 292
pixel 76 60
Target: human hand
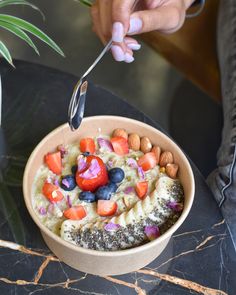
pixel 117 19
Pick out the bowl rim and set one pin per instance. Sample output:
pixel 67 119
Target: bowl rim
pixel 124 252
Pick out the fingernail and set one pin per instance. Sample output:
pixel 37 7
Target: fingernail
pixel 117 32
pixel 129 58
pixel 117 53
pixel 133 46
pixel 135 25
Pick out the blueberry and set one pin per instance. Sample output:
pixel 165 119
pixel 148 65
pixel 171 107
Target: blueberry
pixel 68 182
pixel 74 169
pixel 103 193
pixel 113 187
pixel 86 154
pixel 116 175
pixel 87 197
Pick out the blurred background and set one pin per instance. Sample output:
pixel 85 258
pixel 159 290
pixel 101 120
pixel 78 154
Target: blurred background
pixel 150 83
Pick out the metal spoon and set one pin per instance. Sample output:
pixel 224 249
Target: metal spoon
pixel 77 102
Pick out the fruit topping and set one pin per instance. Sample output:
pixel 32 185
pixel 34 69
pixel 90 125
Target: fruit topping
pixel 120 145
pixel 87 197
pixel 87 145
pixel 105 192
pixel 116 175
pixel 75 213
pixel 94 176
pixel 68 182
pixel 141 189
pixel 52 192
pixel 157 151
pixel 106 207
pixel 147 161
pixel 53 161
pixel 105 144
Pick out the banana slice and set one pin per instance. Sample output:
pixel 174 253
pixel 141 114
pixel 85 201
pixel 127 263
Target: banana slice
pixel 130 231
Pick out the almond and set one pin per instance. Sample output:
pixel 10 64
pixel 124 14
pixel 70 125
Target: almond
pixel 157 151
pixel 172 170
pixel 120 132
pixel 145 144
pixel 134 142
pixel 166 158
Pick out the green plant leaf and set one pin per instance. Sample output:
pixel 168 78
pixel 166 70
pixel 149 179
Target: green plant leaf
pixel 11 214
pixel 26 26
pixel 5 53
pixel 86 2
pixel 20 33
pixel 4 3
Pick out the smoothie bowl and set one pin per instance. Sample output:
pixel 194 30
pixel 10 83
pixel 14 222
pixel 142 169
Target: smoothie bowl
pixel 108 197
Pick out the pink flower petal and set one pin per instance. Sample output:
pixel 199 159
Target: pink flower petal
pixel 129 189
pixel 111 227
pixel 175 206
pixel 81 160
pixel 51 208
pixel 68 199
pixel 92 171
pixel 104 143
pixel 141 173
pixel 152 232
pixel 132 163
pixel 110 164
pixel 56 182
pixel 65 182
pixel 42 211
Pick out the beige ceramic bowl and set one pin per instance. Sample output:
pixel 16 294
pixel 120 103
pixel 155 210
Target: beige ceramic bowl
pixel 99 262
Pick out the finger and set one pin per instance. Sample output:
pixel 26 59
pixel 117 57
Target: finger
pixel 121 11
pixel 105 10
pixel 121 52
pixel 165 19
pixel 96 22
pixel 132 44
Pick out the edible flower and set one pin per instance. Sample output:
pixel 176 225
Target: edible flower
pixel 56 182
pixel 152 232
pixel 141 173
pixel 129 189
pixel 175 206
pixel 92 171
pixel 132 163
pixel 111 227
pixel 104 143
pixel 62 150
pixel 68 199
pixel 42 211
pixel 65 182
pixel 81 163
pixel 110 164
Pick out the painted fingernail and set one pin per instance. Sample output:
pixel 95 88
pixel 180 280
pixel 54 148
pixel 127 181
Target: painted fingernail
pixel 129 58
pixel 135 25
pixel 133 46
pixel 117 53
pixel 117 32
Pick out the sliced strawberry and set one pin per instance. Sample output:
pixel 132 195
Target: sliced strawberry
pixel 120 145
pixel 141 189
pixel 147 161
pixel 106 207
pixel 52 192
pixel 75 213
pixel 53 161
pixel 92 184
pixel 87 145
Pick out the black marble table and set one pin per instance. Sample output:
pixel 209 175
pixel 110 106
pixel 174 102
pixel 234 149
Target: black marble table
pixel 200 258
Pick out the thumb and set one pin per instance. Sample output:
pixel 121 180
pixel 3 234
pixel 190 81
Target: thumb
pixel 166 19
pixel 121 11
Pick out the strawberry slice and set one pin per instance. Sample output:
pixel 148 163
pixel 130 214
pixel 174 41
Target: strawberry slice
pixel 52 192
pixel 91 183
pixel 87 145
pixel 141 189
pixel 120 145
pixel 75 213
pixel 147 161
pixel 53 161
pixel 106 207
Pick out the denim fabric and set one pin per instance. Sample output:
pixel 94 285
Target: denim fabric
pixel 222 181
